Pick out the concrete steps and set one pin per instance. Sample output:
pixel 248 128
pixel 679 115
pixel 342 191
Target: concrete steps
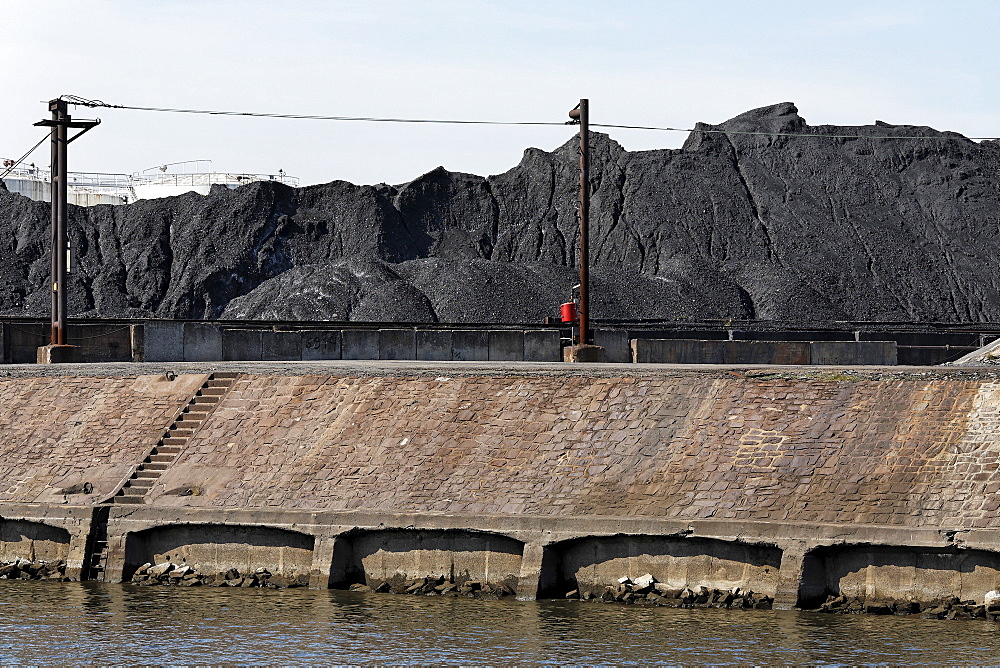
pixel 172 444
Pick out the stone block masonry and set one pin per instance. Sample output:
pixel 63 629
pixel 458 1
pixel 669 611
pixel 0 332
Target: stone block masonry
pixel 795 483
pixel 59 434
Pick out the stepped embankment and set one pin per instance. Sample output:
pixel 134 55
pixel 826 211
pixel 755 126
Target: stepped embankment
pixel 878 483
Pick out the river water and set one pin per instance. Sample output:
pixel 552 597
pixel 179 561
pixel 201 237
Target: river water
pixel 53 623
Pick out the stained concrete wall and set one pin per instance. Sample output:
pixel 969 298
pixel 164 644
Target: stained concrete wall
pixel 401 555
pixel 21 539
pixel 900 573
pixel 594 563
pixel 167 341
pixel 213 548
pixel 691 351
pixel 19 342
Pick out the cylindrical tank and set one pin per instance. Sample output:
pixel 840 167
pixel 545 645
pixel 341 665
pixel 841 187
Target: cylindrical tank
pixel 568 311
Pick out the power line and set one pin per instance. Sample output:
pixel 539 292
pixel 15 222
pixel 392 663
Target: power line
pixel 793 134
pixel 23 157
pixel 75 100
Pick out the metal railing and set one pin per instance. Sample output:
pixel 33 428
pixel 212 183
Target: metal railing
pixel 208 178
pixel 123 183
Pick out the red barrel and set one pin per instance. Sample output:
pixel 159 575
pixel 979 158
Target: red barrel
pixel 568 311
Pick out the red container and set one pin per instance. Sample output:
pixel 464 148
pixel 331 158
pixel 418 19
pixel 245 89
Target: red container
pixel 568 311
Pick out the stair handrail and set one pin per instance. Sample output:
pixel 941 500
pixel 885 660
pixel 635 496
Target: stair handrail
pixel 121 484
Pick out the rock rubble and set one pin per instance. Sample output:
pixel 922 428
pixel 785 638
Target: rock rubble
pixel 945 608
pixel 24 569
pixel 169 573
pixel 646 590
pixel 437 586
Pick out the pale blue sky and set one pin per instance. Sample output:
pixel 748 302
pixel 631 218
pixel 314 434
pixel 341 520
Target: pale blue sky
pixel 652 63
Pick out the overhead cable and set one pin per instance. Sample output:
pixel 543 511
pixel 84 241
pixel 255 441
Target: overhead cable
pixel 75 100
pixel 23 157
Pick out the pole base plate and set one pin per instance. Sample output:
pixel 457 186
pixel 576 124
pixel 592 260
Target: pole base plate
pixel 56 354
pixel 583 353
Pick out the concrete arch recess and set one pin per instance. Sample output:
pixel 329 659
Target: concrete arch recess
pixel 212 548
pixel 888 573
pixel 593 563
pixel 397 556
pixel 34 541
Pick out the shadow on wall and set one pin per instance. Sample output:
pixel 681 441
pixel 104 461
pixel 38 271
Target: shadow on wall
pixel 400 555
pixel 32 541
pixel 897 573
pixel 210 548
pixel 595 563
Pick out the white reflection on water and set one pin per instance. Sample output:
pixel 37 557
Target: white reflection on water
pixel 92 623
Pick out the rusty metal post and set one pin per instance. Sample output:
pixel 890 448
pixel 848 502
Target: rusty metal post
pixel 54 232
pixel 60 176
pixel 581 114
pixel 60 123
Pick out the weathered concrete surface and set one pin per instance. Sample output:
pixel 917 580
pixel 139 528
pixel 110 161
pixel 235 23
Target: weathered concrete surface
pixel 790 481
pixel 679 562
pixel 46 531
pixel 406 554
pixel 694 351
pixel 59 432
pixel 210 547
pixel 686 446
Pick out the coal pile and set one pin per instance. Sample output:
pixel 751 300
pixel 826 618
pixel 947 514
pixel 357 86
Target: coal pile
pixel 182 575
pixel 730 226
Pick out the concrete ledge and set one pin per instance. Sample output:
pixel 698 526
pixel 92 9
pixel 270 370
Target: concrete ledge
pixel 56 354
pixel 164 341
pixel 359 344
pixel 583 353
pixel 242 344
pixel 397 344
pixel 470 345
pixel 281 346
pixel 694 351
pixel 546 540
pixel 434 345
pixel 202 342
pixel 321 345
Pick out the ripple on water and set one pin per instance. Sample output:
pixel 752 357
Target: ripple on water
pixel 46 622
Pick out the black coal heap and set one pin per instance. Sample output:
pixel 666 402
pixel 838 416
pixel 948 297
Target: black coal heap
pixel 804 228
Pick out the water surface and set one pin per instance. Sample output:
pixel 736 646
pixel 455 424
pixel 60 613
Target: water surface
pixel 52 623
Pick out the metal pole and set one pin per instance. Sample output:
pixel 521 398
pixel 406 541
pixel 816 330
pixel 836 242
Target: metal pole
pixel 53 237
pixel 60 123
pixel 584 221
pixel 58 195
pixel 62 241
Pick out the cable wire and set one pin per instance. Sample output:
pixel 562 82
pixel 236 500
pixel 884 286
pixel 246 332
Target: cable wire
pixel 76 100
pixel 23 157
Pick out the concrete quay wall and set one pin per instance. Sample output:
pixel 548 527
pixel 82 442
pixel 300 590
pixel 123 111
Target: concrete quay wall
pixel 180 341
pixel 876 482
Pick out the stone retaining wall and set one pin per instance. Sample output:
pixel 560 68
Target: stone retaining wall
pixel 59 433
pixel 795 484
